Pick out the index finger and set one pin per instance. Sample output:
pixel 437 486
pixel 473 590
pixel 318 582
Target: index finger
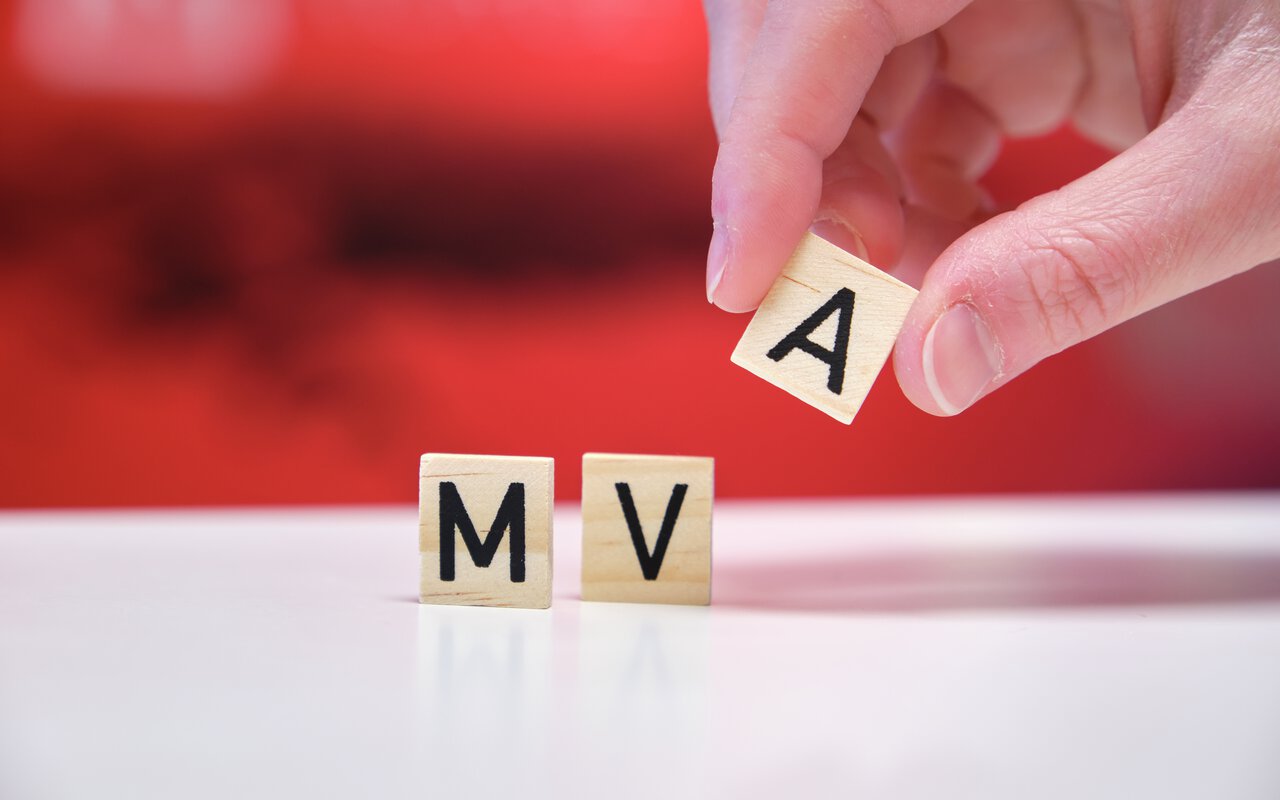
pixel 731 31
pixel 809 70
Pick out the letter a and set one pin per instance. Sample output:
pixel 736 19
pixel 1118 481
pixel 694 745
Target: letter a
pixel 821 276
pixel 835 358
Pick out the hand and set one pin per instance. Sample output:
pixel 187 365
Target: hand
pixel 871 120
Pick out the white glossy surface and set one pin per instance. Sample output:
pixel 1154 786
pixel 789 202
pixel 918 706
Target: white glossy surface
pixel 1070 648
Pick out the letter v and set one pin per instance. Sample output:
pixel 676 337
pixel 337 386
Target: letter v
pixel 651 563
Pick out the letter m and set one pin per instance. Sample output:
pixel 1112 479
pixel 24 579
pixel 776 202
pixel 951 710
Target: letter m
pixel 454 516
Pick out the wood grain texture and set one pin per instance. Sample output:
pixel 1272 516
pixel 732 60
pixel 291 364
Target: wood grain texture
pixel 612 567
pixel 815 274
pixel 483 484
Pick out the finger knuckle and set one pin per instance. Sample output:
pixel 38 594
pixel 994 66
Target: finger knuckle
pixel 1075 281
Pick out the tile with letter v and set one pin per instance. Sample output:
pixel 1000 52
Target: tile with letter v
pixel 826 327
pixel 646 528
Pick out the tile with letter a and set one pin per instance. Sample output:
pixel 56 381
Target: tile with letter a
pixel 484 530
pixel 826 328
pixel 646 528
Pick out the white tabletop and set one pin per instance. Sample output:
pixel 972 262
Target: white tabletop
pixel 1042 648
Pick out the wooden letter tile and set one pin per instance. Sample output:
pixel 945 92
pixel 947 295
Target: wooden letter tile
pixel 484 530
pixel 646 528
pixel 826 327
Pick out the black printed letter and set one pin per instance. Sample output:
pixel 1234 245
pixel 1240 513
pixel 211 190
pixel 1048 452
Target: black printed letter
pixel 510 516
pixel 650 564
pixel 798 339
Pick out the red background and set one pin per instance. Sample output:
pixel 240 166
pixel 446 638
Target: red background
pixel 277 263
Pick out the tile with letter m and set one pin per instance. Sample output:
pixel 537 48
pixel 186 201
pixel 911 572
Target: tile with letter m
pixel 484 530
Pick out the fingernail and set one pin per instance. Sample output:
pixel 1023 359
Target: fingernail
pixel 717 256
pixel 842 235
pixel 960 358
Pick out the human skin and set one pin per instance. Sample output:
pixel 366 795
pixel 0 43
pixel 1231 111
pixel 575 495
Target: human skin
pixel 870 121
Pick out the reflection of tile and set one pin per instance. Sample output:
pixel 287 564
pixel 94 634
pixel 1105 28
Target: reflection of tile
pixel 826 327
pixel 484 530
pixel 643 689
pixel 483 703
pixel 646 528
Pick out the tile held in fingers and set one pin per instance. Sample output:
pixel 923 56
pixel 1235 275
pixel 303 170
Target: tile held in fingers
pixel 826 327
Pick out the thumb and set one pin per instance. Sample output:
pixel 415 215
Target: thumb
pixel 1191 204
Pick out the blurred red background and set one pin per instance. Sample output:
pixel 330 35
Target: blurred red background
pixel 262 251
